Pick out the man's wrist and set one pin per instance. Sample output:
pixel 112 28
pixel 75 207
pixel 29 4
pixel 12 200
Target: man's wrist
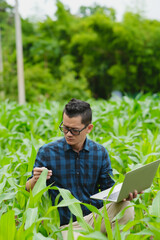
pixel 34 180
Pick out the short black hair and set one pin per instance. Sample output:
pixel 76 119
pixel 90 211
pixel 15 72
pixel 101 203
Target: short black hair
pixel 76 107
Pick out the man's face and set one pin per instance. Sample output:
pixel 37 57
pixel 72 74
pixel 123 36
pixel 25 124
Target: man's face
pixel 75 123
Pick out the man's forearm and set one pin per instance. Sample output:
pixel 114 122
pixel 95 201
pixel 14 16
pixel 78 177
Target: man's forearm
pixel 30 184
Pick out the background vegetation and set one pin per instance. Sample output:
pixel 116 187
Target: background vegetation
pixel 129 129
pixel 89 54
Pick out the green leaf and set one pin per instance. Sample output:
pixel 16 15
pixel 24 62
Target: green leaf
pixel 31 215
pixel 117 234
pixel 107 224
pixel 2 185
pixel 39 236
pixel 31 159
pixel 97 222
pixel 75 208
pixel 20 234
pixel 7 226
pixel 156 205
pixel 94 235
pixel 130 225
pixel 70 235
pixel 41 183
pixel 7 196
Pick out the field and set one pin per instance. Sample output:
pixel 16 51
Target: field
pixel 128 128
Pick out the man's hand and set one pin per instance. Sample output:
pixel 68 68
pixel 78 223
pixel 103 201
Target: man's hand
pixel 37 172
pixel 132 196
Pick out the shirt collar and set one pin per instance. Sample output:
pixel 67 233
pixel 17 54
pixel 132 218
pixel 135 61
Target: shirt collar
pixel 86 145
pixel 68 147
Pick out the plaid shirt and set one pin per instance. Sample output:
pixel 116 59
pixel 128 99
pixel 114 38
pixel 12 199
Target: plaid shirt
pixel 81 173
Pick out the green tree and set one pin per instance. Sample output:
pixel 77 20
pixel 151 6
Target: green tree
pixel 85 54
pixel 92 47
pixel 8 48
pixel 140 54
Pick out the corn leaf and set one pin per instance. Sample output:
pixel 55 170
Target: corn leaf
pixel 7 226
pixel 156 205
pixel 31 215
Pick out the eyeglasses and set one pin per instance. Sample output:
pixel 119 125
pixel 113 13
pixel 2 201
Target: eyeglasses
pixel 75 132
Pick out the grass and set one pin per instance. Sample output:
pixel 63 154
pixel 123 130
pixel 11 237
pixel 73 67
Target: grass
pixel 128 128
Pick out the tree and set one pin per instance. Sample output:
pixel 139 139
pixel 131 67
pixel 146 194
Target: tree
pixel 89 51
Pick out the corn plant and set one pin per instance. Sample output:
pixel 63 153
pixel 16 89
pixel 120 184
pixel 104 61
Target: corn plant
pixel 128 128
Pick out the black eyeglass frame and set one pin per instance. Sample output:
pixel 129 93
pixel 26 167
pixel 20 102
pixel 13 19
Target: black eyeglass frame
pixel 70 129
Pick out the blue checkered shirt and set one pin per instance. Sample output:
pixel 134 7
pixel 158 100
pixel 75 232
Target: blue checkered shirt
pixel 83 173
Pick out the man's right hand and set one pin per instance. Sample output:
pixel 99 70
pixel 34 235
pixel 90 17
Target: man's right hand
pixel 36 174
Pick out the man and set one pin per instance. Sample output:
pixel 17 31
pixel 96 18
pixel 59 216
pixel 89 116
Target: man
pixel 79 165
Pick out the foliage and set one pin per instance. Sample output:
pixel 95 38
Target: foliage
pixel 42 82
pixel 128 128
pixel 101 54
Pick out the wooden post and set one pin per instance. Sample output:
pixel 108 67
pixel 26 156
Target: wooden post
pixel 20 67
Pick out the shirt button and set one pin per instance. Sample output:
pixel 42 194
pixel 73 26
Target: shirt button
pixel 77 173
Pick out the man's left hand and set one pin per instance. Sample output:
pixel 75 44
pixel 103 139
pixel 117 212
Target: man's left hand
pixel 132 196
